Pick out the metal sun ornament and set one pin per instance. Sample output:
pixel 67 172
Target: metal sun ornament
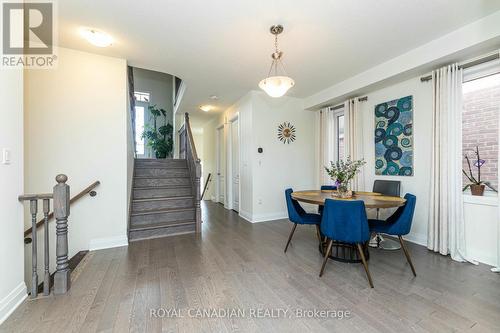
pixel 286 132
pixel 276 85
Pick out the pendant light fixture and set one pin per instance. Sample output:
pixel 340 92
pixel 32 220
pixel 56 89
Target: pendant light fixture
pixel 276 85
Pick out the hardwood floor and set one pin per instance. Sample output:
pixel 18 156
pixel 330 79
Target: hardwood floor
pixel 238 265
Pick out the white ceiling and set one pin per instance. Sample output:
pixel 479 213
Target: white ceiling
pixel 223 47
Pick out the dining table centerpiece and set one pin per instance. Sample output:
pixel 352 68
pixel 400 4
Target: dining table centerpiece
pixel 342 173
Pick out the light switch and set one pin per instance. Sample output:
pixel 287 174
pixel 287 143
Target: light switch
pixel 5 156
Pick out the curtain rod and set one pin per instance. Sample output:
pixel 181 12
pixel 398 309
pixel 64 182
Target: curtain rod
pixel 340 106
pixel 470 63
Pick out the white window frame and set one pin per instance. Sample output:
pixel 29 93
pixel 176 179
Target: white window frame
pixel 336 114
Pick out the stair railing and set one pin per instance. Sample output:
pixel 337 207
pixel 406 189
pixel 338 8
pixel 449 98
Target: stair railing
pixel 188 151
pixel 61 203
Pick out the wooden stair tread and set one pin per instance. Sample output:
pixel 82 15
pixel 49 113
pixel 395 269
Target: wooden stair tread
pixel 161 187
pixel 164 198
pixel 159 177
pixel 161 211
pixel 160 225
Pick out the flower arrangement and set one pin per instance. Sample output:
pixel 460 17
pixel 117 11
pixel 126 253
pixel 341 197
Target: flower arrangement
pixel 342 172
pixel 476 184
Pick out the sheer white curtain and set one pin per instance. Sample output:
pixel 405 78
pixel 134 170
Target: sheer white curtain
pixel 327 143
pixel 446 230
pixel 354 138
pixel 497 269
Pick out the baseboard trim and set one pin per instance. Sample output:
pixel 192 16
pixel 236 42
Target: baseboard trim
pixel 419 239
pixel 269 217
pixel 10 302
pixel 108 242
pixel 246 215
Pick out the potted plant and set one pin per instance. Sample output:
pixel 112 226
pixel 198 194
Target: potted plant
pixel 159 138
pixel 476 184
pixel 342 172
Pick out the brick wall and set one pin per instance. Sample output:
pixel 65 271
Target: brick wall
pixel 480 128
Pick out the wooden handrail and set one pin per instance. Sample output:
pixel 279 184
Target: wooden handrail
pixel 209 178
pixel 85 191
pixel 191 140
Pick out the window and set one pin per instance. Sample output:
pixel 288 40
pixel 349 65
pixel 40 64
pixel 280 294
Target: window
pixel 480 119
pixel 139 129
pixel 141 96
pixel 339 119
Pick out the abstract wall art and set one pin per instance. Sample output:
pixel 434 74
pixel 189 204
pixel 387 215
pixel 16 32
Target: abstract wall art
pixel 394 137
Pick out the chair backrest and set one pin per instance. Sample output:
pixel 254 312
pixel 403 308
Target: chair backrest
pixel 345 221
pixel 387 187
pixel 400 221
pixel 328 187
pixel 295 211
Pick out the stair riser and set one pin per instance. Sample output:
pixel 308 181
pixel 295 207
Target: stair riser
pixel 161 192
pixel 161 172
pixel 161 163
pixel 162 232
pixel 163 204
pixel 144 182
pixel 173 217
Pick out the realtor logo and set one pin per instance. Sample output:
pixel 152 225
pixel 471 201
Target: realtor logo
pixel 28 34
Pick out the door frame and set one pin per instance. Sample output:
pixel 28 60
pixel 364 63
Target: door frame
pixel 229 163
pixel 219 142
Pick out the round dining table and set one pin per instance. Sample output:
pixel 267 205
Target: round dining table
pixel 344 251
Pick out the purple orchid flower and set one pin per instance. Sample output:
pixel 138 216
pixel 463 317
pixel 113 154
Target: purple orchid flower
pixel 479 163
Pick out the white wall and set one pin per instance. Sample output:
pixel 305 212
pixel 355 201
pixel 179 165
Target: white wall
pixel 208 158
pixel 76 123
pixel 280 166
pixel 12 286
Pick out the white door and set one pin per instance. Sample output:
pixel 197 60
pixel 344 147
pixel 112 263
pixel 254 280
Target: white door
pixel 221 185
pixel 235 164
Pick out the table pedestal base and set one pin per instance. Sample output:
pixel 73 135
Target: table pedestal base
pixel 344 252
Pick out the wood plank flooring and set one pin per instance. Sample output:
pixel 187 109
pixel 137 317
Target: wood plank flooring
pixel 238 265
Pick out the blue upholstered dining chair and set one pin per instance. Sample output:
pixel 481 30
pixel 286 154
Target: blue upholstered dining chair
pixel 326 188
pixel 297 215
pixel 346 221
pixel 398 224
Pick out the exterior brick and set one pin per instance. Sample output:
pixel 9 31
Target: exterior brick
pixel 480 121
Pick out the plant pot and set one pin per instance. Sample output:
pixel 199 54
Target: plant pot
pixel 477 189
pixel 160 155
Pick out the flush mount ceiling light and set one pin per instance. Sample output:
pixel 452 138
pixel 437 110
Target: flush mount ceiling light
pixel 206 108
pixel 96 37
pixel 276 85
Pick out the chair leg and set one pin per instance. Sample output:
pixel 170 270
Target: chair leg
pixel 407 254
pixel 327 254
pixel 318 232
pixel 290 237
pixel 365 264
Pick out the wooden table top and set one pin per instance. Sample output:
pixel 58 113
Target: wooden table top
pixel 371 199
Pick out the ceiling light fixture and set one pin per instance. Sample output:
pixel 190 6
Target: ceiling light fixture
pixel 96 37
pixel 206 108
pixel 276 85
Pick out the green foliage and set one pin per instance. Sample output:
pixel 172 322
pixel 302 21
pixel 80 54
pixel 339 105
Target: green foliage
pixel 342 172
pixel 160 139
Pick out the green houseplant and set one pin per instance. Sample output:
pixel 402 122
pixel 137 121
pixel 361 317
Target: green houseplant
pixel 476 185
pixel 342 172
pixel 159 138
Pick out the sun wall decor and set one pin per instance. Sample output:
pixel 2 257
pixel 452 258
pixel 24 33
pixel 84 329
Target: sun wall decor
pixel 286 132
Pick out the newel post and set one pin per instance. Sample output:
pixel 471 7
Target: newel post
pixel 62 281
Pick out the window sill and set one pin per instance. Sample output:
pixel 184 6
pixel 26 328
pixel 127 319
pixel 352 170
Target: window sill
pixel 489 199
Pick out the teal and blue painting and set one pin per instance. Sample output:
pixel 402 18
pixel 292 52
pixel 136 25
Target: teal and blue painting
pixel 394 137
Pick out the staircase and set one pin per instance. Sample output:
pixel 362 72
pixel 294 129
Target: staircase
pixel 163 199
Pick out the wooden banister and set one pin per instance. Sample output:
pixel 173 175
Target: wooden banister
pixel 187 150
pixel 40 223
